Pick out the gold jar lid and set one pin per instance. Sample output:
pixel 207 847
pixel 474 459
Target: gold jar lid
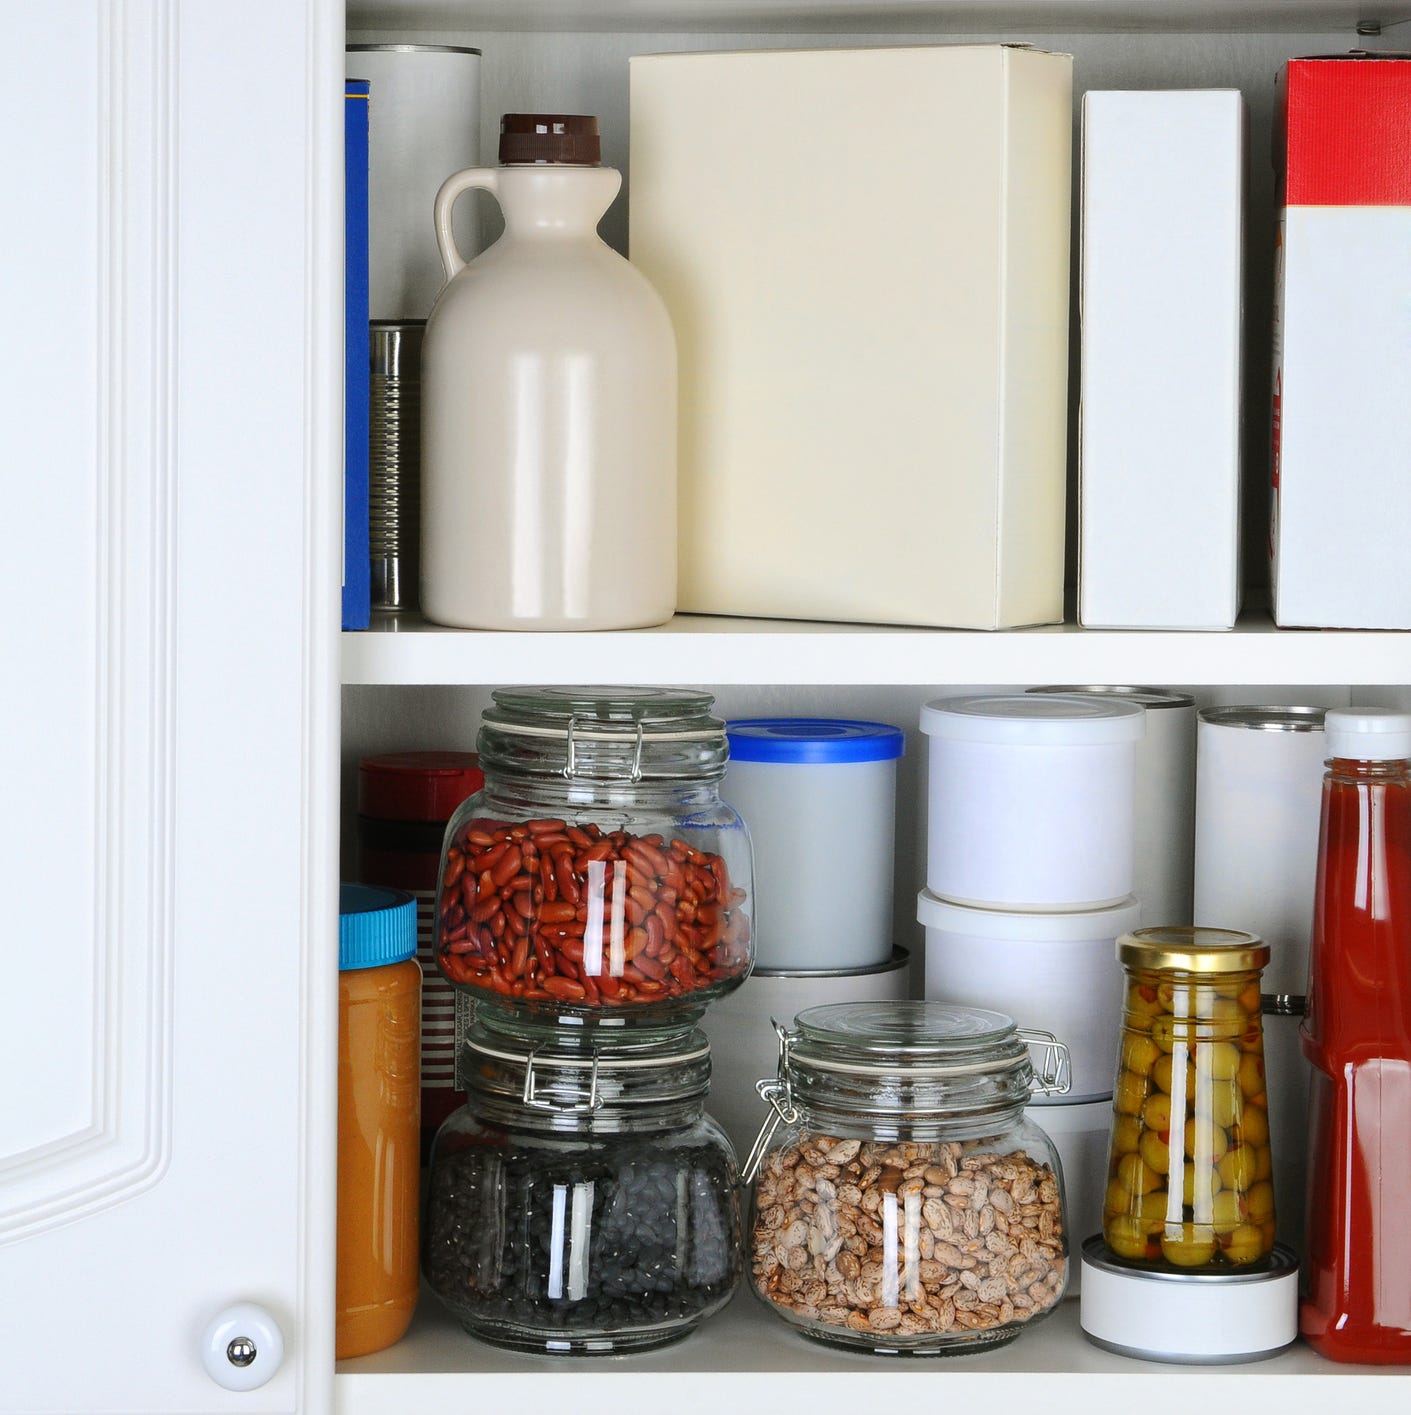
pixel 1193 949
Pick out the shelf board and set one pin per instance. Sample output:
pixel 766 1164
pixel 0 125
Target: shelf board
pixel 749 1358
pixel 691 648
pixel 871 16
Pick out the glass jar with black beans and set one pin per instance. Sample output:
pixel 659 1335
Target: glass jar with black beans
pixel 582 1201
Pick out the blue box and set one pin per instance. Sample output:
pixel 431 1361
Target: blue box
pixel 357 564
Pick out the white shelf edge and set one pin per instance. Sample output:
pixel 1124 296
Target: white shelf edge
pixel 870 16
pixel 749 1359
pixel 706 649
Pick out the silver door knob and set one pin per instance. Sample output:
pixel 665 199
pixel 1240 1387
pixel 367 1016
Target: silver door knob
pixel 243 1347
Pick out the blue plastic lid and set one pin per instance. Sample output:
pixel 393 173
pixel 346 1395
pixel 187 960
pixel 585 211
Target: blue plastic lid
pixel 376 926
pixel 813 739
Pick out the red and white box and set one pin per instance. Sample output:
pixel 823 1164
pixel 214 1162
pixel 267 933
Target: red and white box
pixel 1340 525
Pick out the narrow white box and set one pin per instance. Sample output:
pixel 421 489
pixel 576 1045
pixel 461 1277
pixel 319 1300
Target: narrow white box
pixel 865 257
pixel 1341 518
pixel 1163 215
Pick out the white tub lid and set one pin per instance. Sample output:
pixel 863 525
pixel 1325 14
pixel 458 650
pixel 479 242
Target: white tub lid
pixel 1035 720
pixel 934 913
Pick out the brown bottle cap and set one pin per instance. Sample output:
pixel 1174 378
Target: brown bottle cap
pixel 550 137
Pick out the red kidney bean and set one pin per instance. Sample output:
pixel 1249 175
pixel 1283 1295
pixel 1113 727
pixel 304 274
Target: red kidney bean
pixel 515 905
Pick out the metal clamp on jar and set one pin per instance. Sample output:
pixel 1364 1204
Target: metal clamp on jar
pixel 901 1201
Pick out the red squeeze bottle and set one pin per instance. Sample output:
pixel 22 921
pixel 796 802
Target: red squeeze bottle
pixel 1357 1035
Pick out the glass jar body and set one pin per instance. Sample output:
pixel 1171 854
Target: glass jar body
pixel 908 1237
pixel 1189 1165
pixel 598 876
pixel 582 1233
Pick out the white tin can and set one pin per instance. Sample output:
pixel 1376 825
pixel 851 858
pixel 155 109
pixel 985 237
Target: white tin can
pixel 423 124
pixel 1164 832
pixel 1259 783
pixel 1031 800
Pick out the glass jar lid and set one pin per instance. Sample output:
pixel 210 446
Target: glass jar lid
pixel 1193 949
pixel 913 1044
pixel 603 733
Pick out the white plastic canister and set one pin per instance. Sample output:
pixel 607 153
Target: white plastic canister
pixel 819 796
pixel 1059 972
pixel 1031 800
pixel 1165 800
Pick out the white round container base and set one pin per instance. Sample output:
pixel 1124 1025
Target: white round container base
pixel 1080 1133
pixel 1188 1318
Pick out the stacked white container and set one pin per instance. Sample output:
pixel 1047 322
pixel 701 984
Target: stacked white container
pixel 1030 869
pixel 812 790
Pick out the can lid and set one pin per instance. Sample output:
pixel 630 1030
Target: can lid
pixel 813 740
pixel 567 139
pixel 1035 720
pixel 1369 734
pixel 417 786
pixel 376 926
pixel 1193 949
pixel 1257 718
pixel 936 913
pixel 1148 697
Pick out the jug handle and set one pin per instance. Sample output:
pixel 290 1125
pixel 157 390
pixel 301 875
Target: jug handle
pixel 486 178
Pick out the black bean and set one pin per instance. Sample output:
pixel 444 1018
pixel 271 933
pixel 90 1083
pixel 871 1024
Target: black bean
pixel 661 1224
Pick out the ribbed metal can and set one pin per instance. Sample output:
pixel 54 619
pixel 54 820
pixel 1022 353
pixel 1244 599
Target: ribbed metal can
pixel 394 464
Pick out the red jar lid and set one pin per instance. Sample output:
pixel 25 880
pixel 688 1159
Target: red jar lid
pixel 417 786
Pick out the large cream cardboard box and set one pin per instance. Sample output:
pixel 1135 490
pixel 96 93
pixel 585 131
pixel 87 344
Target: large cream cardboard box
pixel 1161 306
pixel 865 257
pixel 1341 504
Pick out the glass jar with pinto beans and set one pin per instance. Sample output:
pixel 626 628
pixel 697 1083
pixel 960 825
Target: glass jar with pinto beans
pixel 901 1200
pixel 1190 1171
pixel 598 877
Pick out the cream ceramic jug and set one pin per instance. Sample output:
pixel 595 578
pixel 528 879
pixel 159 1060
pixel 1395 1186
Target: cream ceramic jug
pixel 548 406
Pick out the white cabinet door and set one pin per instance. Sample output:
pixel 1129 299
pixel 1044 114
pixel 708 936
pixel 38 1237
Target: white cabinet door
pixel 171 177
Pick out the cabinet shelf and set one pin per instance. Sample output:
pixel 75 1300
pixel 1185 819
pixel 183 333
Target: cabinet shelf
pixel 746 1357
pixel 872 16
pixel 692 648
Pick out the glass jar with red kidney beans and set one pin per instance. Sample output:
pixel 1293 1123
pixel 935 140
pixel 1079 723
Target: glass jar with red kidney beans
pixel 598 877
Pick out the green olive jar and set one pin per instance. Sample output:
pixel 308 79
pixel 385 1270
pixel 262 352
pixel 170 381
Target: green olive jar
pixel 1190 1170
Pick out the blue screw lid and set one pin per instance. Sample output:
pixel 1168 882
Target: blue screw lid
pixel 376 926
pixel 813 739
